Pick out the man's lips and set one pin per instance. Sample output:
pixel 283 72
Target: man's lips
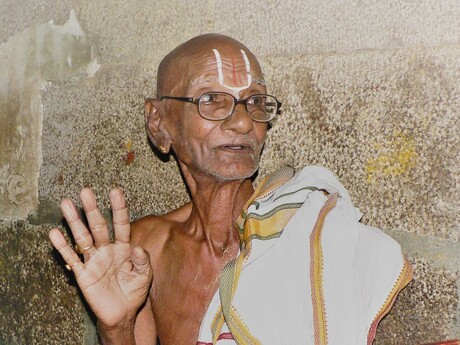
pixel 236 147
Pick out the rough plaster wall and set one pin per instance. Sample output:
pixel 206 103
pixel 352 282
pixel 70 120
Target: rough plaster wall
pixel 370 89
pixel 41 53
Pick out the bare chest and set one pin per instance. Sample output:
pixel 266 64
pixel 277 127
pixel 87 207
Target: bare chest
pixel 184 291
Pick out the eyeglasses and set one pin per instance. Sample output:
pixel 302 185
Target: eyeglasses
pixel 217 106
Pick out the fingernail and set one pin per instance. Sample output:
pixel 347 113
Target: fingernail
pixel 67 208
pixel 86 193
pixel 115 192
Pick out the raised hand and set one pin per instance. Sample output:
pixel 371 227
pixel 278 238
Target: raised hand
pixel 114 278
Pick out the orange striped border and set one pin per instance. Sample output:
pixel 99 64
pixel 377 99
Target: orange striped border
pixel 404 278
pixel 316 273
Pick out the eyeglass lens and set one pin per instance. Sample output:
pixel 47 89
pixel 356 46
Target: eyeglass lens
pixel 217 106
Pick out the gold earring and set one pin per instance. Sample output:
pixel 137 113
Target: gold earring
pixel 162 149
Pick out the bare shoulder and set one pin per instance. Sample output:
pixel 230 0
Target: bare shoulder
pixel 152 232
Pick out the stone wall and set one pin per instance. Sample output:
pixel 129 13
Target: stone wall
pixel 370 89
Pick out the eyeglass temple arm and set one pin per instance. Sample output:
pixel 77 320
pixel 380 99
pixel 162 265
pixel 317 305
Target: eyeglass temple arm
pixel 183 99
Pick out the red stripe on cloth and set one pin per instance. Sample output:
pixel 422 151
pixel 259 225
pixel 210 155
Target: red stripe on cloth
pixel 226 335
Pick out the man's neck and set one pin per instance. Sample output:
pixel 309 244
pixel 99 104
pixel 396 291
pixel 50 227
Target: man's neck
pixel 215 207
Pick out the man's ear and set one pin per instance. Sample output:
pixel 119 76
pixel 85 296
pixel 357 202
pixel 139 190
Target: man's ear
pixel 154 123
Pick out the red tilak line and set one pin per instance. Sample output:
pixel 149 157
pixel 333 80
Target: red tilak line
pixel 234 71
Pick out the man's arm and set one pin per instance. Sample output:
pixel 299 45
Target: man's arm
pixel 147 232
pixel 145 330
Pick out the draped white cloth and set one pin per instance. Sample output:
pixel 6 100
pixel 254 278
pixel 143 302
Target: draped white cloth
pixel 282 299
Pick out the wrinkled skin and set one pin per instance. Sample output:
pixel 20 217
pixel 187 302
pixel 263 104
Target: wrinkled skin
pixel 159 276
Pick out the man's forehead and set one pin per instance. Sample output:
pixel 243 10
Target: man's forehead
pixel 235 69
pixel 208 58
pixel 205 79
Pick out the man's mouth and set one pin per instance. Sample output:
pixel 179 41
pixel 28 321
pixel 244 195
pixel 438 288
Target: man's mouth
pixel 235 147
pixel 238 146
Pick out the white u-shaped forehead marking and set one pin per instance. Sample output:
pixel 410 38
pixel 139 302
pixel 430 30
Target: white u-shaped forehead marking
pixel 236 90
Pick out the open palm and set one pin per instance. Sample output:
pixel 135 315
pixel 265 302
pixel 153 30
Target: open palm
pixel 115 277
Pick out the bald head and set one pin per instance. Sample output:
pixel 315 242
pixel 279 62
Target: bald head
pixel 213 137
pixel 173 69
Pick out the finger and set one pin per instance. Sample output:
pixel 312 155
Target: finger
pixel 66 251
pixel 80 233
pixel 120 216
pixel 127 266
pixel 141 260
pixel 96 221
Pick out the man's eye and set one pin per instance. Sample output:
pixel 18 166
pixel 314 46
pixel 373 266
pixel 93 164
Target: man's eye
pixel 256 101
pixel 210 98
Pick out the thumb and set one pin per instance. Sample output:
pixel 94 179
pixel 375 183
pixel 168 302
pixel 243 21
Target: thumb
pixel 141 260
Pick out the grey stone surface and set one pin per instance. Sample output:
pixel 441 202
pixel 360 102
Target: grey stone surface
pixel 17 16
pixel 142 30
pixel 425 311
pixel 385 122
pixel 93 135
pixel 48 212
pixel 39 302
pixel 295 27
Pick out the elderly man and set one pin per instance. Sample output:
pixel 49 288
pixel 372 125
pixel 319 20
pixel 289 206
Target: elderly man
pixel 288 263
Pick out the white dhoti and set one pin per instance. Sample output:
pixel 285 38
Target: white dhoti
pixel 308 272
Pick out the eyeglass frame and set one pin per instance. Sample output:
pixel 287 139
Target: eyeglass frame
pixel 236 101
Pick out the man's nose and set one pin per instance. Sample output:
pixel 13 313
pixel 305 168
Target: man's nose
pixel 239 120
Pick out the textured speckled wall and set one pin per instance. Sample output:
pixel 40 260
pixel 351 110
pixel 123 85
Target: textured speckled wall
pixel 370 89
